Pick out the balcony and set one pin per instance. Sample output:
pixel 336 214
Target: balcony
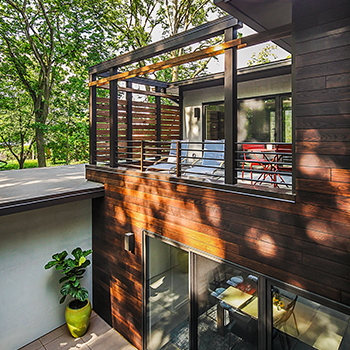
pixel 141 124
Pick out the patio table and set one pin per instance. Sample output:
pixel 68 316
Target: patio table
pixel 233 297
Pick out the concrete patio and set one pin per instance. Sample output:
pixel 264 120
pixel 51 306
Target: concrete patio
pixel 100 336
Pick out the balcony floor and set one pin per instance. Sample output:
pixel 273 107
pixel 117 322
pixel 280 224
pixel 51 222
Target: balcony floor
pixel 100 336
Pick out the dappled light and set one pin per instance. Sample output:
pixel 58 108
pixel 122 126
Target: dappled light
pixel 262 243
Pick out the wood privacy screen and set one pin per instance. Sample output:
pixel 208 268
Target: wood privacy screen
pixel 144 125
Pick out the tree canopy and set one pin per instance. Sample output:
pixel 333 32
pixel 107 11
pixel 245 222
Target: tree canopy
pixel 46 47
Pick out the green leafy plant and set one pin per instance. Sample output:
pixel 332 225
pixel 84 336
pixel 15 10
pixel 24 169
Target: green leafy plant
pixel 73 270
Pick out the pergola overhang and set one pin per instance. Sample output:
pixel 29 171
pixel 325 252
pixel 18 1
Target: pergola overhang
pixel 189 37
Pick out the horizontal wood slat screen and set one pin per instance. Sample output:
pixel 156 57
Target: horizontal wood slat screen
pixel 144 125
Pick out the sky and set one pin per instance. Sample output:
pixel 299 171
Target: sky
pixel 244 55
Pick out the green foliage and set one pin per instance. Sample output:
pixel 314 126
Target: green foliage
pixel 263 56
pixel 13 165
pixel 40 42
pixel 46 47
pixel 73 271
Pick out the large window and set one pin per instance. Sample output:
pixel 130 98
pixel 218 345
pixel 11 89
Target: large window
pixel 227 302
pixel 265 120
pixel 195 302
pixel 256 120
pixel 299 324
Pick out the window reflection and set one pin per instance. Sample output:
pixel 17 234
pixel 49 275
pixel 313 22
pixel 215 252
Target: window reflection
pixel 301 324
pixel 287 119
pixel 257 120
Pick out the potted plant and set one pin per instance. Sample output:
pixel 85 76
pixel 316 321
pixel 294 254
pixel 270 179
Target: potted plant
pixel 78 311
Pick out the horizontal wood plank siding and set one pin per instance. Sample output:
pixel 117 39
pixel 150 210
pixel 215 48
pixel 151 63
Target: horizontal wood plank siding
pixel 298 243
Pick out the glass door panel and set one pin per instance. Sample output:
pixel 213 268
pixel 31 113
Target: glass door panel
pixel 227 306
pixel 287 119
pixel 167 296
pixel 215 122
pixel 299 324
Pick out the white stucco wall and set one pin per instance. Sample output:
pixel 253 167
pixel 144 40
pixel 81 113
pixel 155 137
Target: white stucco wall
pixel 29 295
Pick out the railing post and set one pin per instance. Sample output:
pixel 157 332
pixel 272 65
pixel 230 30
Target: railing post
pixel 142 155
pixel 92 126
pixel 230 108
pixel 158 120
pixel 129 121
pixel 178 159
pixel 113 119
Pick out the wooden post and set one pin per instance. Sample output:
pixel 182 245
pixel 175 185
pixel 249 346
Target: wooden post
pixel 113 120
pixel 158 121
pixel 129 121
pixel 178 159
pixel 142 154
pixel 230 108
pixel 92 126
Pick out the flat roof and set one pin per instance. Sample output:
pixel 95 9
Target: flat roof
pixel 28 189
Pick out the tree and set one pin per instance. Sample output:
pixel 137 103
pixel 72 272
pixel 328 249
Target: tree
pixel 132 24
pixel 16 123
pixel 180 15
pixel 68 123
pixel 263 56
pixel 37 38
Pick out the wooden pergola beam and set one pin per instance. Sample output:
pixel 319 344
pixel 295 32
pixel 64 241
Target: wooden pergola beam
pixel 148 93
pixel 275 33
pixel 141 92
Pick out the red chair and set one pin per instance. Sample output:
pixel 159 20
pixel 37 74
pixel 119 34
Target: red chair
pixel 283 150
pixel 249 149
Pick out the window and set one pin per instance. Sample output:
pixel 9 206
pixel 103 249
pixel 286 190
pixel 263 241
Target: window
pixel 287 119
pixel 299 323
pixel 227 299
pixel 256 120
pixel 214 121
pixel 167 295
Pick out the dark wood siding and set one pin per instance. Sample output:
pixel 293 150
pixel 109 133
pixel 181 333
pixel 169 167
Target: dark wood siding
pixel 305 243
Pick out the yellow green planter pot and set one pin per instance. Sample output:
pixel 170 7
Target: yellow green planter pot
pixel 78 318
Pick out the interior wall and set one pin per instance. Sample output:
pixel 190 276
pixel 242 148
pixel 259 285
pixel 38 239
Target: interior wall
pixel 160 261
pixel 29 294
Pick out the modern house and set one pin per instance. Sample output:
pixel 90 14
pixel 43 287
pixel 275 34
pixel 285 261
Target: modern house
pixel 251 249
pixel 219 211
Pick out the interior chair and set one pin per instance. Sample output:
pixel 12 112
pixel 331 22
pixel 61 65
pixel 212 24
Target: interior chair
pixel 249 156
pixel 213 159
pixel 169 162
pixel 243 327
pixel 281 323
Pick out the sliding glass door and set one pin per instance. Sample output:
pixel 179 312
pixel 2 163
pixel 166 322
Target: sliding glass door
pixel 221 314
pixel 167 288
pixel 195 302
pixel 227 304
